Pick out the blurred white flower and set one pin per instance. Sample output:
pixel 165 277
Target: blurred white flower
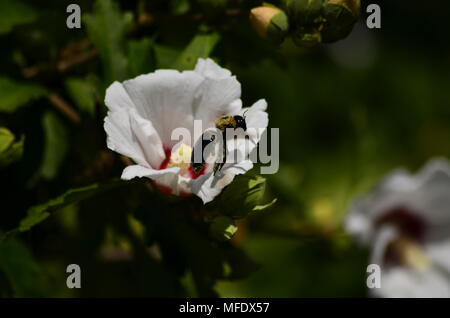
pixel 144 111
pixel 406 222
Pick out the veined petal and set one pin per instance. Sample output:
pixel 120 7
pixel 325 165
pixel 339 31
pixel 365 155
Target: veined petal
pixel 117 98
pixel 166 98
pixel 432 196
pixel 208 186
pixel 256 115
pixel 404 282
pixel 165 177
pixel 210 69
pixel 148 139
pixel 120 136
pixel 218 94
pixel 257 119
pixel 439 252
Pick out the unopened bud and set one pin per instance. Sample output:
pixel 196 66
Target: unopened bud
pixel 307 39
pixel 353 5
pixel 321 21
pixel 303 12
pixel 340 17
pixel 270 22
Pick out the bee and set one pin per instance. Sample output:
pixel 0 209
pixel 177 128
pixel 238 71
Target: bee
pixel 222 124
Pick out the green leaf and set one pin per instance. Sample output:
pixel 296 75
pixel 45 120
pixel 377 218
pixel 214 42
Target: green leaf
pixel 242 197
pixel 16 94
pixel 20 269
pixel 13 13
pixel 56 145
pixel 239 264
pixel 222 228
pixel 165 56
pixel 6 139
pixel 107 27
pixel 82 93
pixel 141 57
pixel 265 206
pixel 39 213
pixel 10 151
pixel 179 7
pixel 201 46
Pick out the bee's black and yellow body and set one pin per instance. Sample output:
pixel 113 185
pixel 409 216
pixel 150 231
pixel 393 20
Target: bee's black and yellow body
pixel 222 124
pixel 235 122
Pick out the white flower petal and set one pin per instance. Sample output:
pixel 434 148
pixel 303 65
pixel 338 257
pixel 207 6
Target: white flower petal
pixel 117 98
pixel 148 139
pixel 432 196
pixel 412 283
pixel 120 136
pixel 439 252
pixel 165 177
pixel 219 92
pixel 208 186
pixel 257 120
pixel 210 69
pixel 239 168
pixel 256 115
pixel 167 99
pixel 385 236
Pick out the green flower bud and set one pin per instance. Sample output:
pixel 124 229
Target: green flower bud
pixel 307 39
pixel 222 228
pixel 270 22
pixel 340 17
pixel 353 5
pixel 303 12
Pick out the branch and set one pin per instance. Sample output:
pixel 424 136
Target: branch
pixel 65 108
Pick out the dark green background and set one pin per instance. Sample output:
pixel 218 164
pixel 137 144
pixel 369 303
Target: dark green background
pixel 347 112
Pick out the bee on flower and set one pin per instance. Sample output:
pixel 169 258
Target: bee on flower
pixel 144 112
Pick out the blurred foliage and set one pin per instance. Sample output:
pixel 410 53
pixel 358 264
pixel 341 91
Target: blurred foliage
pixel 13 13
pixel 15 94
pixel 348 113
pixel 10 150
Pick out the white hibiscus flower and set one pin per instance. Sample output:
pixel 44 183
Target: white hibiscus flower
pixel 406 222
pixel 144 111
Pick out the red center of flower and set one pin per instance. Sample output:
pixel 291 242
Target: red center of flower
pixel 405 249
pixel 187 172
pixel 165 163
pixel 409 224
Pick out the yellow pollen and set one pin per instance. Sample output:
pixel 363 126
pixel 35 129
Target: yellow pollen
pixel 181 157
pixel 411 254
